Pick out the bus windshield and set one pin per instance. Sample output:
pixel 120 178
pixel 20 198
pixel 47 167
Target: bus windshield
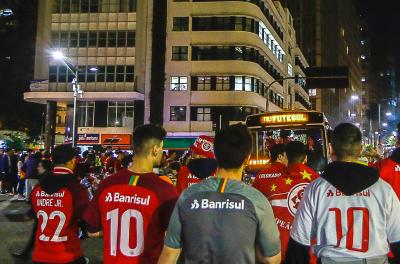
pixel 312 137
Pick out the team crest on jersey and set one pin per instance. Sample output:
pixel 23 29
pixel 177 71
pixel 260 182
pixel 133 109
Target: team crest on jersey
pixel 397 168
pixel 294 197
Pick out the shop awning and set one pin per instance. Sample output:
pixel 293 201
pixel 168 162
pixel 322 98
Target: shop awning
pixel 178 143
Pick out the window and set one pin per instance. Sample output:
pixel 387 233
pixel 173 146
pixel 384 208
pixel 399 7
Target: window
pixel 94 6
pixel 290 69
pixel 64 39
pixel 120 73
pixel 65 7
pixel 181 24
pixel 102 39
pixel 247 84
pixel 131 39
pixel 238 83
pixel 83 39
pixel 203 83
pixel 91 75
pixel 53 73
pixel 203 114
pixel 101 72
pixel 312 92
pixel 55 39
pixel 110 73
pixel 92 39
pixel 179 83
pixel 73 40
pixel 177 113
pixel 62 74
pixel 179 53
pixel 84 6
pixel 222 83
pixel 111 39
pixel 121 39
pixel 74 6
pixel 86 114
pixel 127 6
pixel 120 114
pixel 130 72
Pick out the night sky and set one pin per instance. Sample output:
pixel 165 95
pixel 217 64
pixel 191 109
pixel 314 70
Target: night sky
pixel 17 43
pixel 384 31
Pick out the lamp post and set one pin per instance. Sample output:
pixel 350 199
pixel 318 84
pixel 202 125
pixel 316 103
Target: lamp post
pixel 76 89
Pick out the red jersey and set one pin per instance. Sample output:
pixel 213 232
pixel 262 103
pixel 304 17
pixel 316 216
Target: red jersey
pixel 390 172
pixel 133 210
pixel 58 217
pixel 185 179
pixel 284 193
pixel 117 165
pixel 109 164
pixel 264 177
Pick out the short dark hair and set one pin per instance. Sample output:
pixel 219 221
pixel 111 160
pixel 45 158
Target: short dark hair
pixel 62 154
pixel 346 141
pixel 232 146
pixel 144 134
pixel 296 152
pixel 276 150
pixel 47 164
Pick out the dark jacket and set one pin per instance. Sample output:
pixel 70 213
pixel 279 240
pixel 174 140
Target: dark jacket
pixel 30 168
pixel 9 165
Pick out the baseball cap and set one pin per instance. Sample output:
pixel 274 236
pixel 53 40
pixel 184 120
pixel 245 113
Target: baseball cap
pixel 204 146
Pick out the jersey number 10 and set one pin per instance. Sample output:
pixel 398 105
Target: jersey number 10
pixel 124 235
pixel 350 228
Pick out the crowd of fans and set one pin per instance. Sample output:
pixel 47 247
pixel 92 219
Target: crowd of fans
pixel 199 199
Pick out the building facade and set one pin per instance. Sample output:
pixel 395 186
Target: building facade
pixel 210 62
pixel 330 34
pixel 221 58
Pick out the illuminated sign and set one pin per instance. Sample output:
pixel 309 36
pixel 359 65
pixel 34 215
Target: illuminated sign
pixel 258 162
pixel 284 118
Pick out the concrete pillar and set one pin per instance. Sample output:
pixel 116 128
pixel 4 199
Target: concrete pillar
pixel 50 124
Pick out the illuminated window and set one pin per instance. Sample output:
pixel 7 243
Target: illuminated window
pixel 290 69
pixel 247 84
pixel 120 114
pixel 312 92
pixel 86 114
pixel 238 83
pixel 203 83
pixel 222 83
pixel 203 114
pixel 179 83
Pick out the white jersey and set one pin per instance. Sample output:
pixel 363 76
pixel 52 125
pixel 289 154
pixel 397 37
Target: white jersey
pixel 349 227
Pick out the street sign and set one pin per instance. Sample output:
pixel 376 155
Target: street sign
pixel 39 86
pixel 327 77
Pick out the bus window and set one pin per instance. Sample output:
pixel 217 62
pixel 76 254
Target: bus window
pixel 313 138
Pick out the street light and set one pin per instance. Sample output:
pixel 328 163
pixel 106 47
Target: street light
pixel 355 97
pixel 388 114
pixel 384 124
pixel 76 89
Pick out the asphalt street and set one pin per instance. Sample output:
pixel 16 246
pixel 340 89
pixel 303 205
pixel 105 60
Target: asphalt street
pixel 15 229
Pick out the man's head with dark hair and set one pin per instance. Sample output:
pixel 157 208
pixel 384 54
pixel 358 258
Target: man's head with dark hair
pixel 346 142
pixel 232 147
pixel 148 142
pixel 64 155
pixel 296 152
pixel 278 153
